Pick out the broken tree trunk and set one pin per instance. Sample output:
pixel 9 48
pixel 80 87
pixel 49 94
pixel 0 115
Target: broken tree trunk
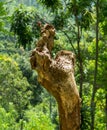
pixel 57 76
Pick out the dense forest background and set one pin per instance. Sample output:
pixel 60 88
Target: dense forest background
pixel 81 27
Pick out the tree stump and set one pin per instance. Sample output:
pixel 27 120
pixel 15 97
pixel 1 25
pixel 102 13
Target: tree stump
pixel 57 76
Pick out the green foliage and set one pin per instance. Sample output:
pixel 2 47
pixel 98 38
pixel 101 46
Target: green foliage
pixel 34 119
pixel 2 15
pixel 26 25
pixel 59 20
pixel 103 17
pixel 31 76
pixel 100 109
pixel 13 86
pixel 53 4
pixel 18 83
pixel 7 118
pixel 100 88
pixel 22 25
pixel 38 120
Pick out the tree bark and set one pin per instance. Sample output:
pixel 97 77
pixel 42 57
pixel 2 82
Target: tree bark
pixel 80 59
pixel 57 76
pixel 93 104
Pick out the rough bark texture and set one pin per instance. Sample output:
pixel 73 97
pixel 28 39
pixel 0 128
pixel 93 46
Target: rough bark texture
pixel 57 76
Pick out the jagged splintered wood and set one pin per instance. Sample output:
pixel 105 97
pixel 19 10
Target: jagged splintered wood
pixel 57 76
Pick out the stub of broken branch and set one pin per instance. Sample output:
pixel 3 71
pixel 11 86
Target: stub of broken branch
pixel 57 76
